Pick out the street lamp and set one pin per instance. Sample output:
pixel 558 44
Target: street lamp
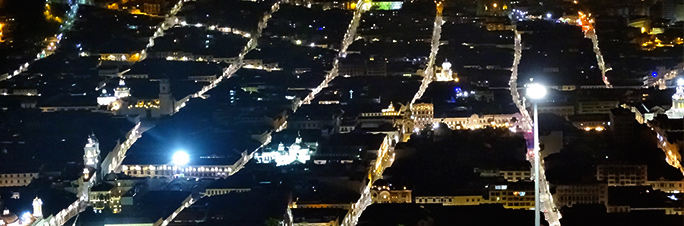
pixel 536 92
pixel 180 158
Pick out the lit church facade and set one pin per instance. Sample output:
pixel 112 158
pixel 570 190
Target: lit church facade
pixel 295 153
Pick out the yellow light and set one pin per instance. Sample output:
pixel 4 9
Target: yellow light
pixel 587 128
pixel 494 5
pixel 599 128
pixel 643 30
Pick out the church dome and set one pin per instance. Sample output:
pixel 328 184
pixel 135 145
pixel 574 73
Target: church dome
pixel 8 218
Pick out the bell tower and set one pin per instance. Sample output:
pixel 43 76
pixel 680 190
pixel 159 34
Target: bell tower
pixel 91 156
pixel 37 208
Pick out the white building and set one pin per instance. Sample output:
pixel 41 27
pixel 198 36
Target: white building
pixel 37 207
pixel 91 155
pixel 295 153
pixel 677 109
pixel 445 74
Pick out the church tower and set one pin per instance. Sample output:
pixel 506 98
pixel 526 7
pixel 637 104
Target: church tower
pixel 37 208
pixel 166 101
pixel 91 156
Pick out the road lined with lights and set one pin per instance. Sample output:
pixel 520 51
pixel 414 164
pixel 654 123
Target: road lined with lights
pixel 386 153
pixel 227 73
pixel 112 162
pixel 169 21
pixel 548 207
pixel 429 74
pixel 672 155
pixel 52 43
pixel 587 24
pixel 119 153
pixel 349 37
pixel 384 160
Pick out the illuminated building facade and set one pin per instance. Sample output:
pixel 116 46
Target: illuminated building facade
pixel 295 153
pixel 513 195
pixel 677 109
pixel 37 207
pixel 511 175
pixel 422 114
pixel 126 104
pixel 452 200
pixel 380 5
pixel 667 186
pixel 11 179
pixel 127 57
pixel 8 218
pixel 171 171
pixel 197 168
pixel 476 121
pixel 382 192
pixel 445 73
pixel 91 156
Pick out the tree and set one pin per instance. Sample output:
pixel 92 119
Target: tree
pixel 272 222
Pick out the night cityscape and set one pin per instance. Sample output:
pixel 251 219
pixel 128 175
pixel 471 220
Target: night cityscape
pixel 341 113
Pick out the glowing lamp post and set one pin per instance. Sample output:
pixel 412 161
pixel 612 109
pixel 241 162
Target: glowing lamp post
pixel 536 92
pixel 180 158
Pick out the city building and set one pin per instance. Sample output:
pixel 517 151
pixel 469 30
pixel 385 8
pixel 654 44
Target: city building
pixel 318 217
pixel 444 73
pixel 570 194
pixel 17 177
pixel 595 107
pixel 518 195
pixel 162 104
pixel 560 109
pixel 677 109
pixel 510 174
pixel 477 121
pixel 348 148
pixel 623 125
pixel 383 192
pixel 667 186
pixel 465 199
pixel 622 174
pixel 358 66
pixel 203 168
pixel 422 114
pixel 295 153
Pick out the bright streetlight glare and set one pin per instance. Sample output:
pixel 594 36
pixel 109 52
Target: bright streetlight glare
pixel 180 158
pixel 536 91
pixel 680 82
